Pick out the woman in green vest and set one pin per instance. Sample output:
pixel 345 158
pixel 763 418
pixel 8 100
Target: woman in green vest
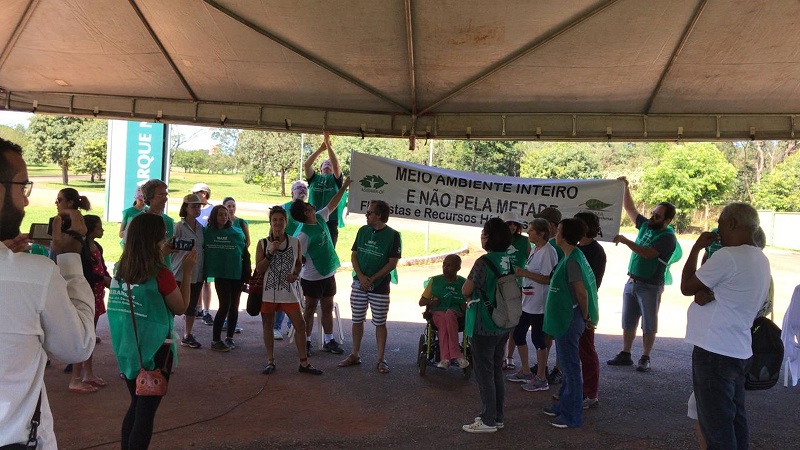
pixel 223 261
pixel 488 341
pixel 142 277
pixel 571 307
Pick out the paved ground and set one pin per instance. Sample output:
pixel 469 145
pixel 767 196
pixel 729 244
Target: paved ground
pixel 222 400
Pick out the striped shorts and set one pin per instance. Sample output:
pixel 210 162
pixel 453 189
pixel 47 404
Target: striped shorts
pixel 378 303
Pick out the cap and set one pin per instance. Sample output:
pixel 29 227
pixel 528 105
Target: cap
pixel 552 215
pixel 511 216
pixel 192 198
pixel 201 187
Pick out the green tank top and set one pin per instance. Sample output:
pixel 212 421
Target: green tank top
pixel 320 246
pixel 558 309
pixel 154 323
pixel 448 292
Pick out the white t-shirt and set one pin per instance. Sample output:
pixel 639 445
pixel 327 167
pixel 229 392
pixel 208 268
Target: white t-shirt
pixel 205 213
pixel 739 277
pixel 309 272
pixel 541 261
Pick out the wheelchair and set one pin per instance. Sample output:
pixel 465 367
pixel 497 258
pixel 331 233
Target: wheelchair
pixel 428 352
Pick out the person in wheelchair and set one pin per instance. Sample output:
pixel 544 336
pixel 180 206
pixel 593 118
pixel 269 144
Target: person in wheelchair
pixel 445 305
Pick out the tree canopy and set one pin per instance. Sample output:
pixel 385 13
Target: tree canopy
pixel 780 190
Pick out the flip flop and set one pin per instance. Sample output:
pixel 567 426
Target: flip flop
pixel 96 382
pixel 351 360
pixel 88 389
pixel 383 367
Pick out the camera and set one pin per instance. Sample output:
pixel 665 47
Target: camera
pixel 38 232
pixel 183 244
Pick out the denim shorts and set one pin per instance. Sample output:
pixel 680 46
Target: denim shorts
pixel 641 300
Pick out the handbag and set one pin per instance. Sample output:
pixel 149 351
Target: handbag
pixel 246 264
pixel 254 289
pixel 149 383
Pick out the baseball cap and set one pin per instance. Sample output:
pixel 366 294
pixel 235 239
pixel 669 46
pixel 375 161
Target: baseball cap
pixel 192 198
pixel 511 216
pixel 201 187
pixel 550 214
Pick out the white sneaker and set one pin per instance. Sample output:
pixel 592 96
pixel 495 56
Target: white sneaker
pixel 277 335
pixel 478 427
pixel 462 363
pixel 443 364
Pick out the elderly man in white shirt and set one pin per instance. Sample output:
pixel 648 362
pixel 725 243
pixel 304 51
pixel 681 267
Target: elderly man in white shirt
pixel 47 308
pixel 718 325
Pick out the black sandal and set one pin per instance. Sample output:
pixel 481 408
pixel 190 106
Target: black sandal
pixel 308 368
pixel 269 368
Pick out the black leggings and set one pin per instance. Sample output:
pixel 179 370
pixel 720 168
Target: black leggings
pixel 229 291
pixel 137 427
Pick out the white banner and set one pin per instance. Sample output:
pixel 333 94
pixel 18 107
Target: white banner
pixel 427 193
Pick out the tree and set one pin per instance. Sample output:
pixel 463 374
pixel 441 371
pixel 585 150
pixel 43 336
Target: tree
pixel 492 157
pixel 561 160
pixel 16 135
pixel 227 138
pixel 91 147
pixel 753 161
pixel 780 190
pixel 177 139
pixel 688 176
pixel 55 137
pixel 190 161
pixel 264 154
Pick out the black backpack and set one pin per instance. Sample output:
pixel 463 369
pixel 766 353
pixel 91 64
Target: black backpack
pixel 765 364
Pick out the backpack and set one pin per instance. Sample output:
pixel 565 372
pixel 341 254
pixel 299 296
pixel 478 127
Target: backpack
pixel 507 296
pixel 765 364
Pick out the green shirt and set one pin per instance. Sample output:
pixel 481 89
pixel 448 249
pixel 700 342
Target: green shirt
pixel 154 323
pixel 321 189
pixel 223 252
pixel 448 292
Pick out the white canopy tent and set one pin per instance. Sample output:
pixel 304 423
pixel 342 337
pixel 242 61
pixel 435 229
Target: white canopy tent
pixel 454 69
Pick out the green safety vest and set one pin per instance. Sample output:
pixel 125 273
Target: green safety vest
pixel 559 252
pixel 291 224
pixel 223 252
pixel 644 268
pixel 502 261
pixel 519 250
pixel 372 251
pixel 154 323
pixel 320 246
pixel 558 309
pixel 321 190
pixel 448 292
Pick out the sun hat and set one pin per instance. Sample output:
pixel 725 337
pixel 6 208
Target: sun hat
pixel 201 187
pixel 511 216
pixel 192 198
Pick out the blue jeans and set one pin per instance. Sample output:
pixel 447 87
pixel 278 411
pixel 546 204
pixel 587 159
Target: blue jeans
pixel 570 396
pixel 487 359
pixel 719 390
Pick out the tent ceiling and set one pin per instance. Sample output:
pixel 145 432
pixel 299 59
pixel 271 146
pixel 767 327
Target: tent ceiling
pixel 507 69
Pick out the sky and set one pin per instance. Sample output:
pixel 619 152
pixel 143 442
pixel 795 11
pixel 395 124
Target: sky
pixel 201 140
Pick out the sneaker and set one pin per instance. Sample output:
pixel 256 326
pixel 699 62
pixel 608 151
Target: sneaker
pixel 308 349
pixel 498 424
pixel 198 313
pixel 548 411
pixel 644 364
pixel 536 384
pixel 190 341
pixel 622 359
pixel 555 377
pixel 230 343
pixel 219 346
pixel 508 364
pixel 559 422
pixel 519 377
pixel 591 403
pixel 443 364
pixel 478 427
pixel 333 347
pixel 463 363
pixel 236 330
pixel 207 319
pixel 277 335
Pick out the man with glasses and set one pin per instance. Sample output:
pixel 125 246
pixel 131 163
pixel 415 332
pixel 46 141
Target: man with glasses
pixel 375 254
pixel 641 297
pixel 47 308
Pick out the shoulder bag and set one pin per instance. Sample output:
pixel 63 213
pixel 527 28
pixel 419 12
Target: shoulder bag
pixel 149 383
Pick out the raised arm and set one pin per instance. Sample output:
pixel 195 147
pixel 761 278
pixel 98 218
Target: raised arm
pixel 627 201
pixel 337 170
pixel 334 203
pixel 308 166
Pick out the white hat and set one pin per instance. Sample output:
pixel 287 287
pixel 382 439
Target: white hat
pixel 511 216
pixel 201 187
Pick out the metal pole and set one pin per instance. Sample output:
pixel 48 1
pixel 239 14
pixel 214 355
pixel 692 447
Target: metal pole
pixel 428 223
pixel 302 146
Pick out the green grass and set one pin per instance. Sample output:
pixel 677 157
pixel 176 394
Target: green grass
pixel 413 242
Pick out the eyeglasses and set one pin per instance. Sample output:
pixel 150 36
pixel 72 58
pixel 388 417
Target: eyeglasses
pixel 27 186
